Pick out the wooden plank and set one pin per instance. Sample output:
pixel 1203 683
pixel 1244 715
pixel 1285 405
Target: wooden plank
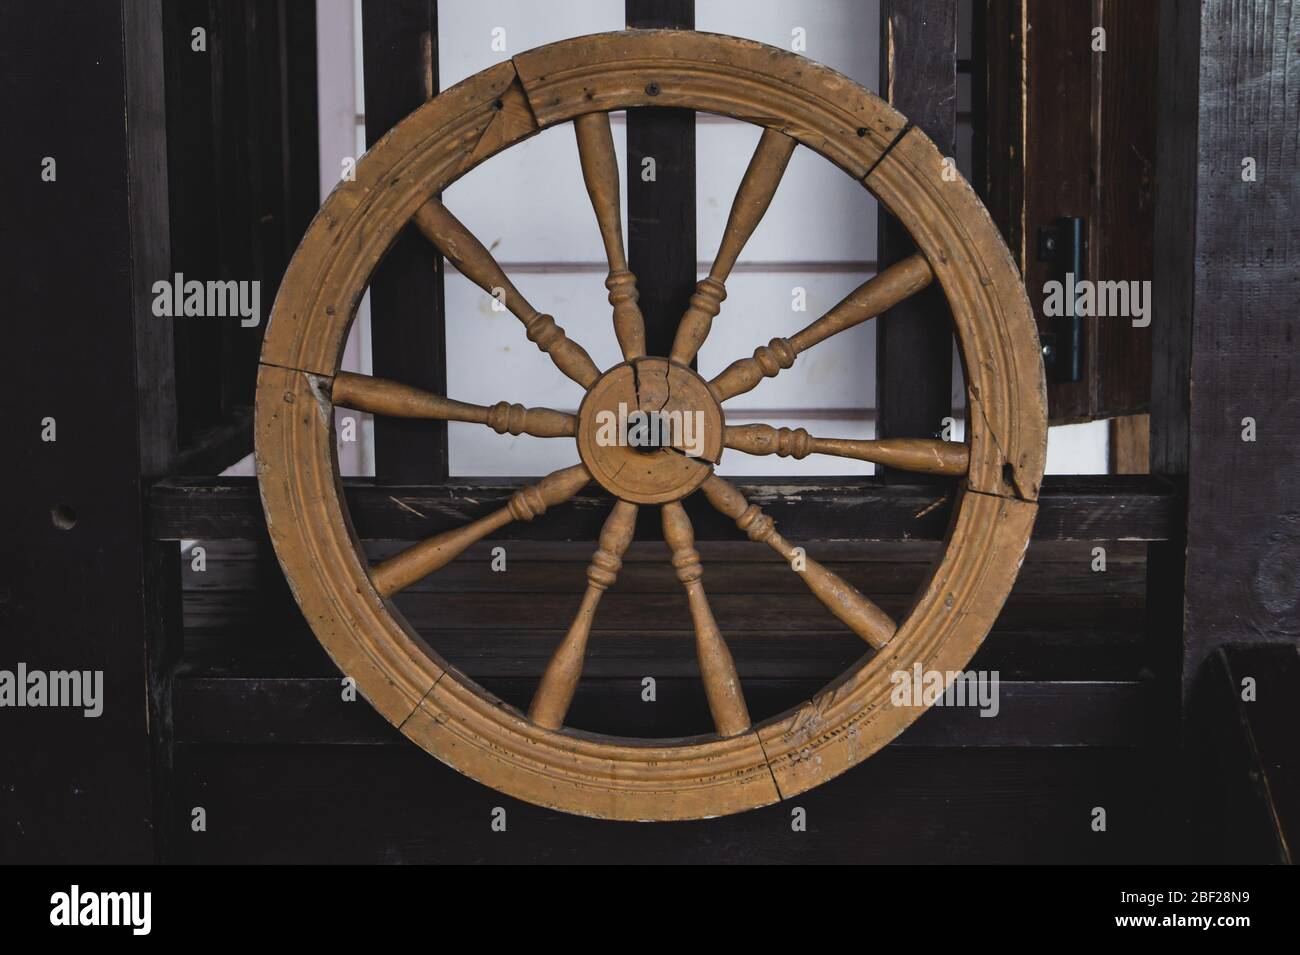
pixel 1225 282
pixel 299 711
pixel 1070 508
pixel 904 805
pixel 1251 754
pixel 407 316
pixel 914 341
pixel 661 212
pixel 242 134
pixel 86 589
pixel 1130 444
pixel 1069 131
pixel 1122 232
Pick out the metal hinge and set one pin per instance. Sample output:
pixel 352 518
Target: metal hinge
pixel 1063 246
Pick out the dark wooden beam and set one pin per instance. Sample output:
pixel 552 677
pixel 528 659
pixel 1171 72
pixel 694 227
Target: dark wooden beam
pixel 1075 508
pixel 1248 710
pixel 243 164
pixel 661 213
pixel 914 342
pixel 407 318
pixel 1226 262
pixel 251 710
pixel 84 588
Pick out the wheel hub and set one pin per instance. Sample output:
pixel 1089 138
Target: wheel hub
pixel 649 431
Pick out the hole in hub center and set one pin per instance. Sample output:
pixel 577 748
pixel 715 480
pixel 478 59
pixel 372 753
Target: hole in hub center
pixel 643 435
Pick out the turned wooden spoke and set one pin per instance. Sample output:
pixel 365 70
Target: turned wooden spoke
pixel 923 455
pixel 717 669
pixel 873 297
pixel 841 598
pixel 600 172
pixel 412 564
pixel 476 263
pixel 394 399
pixel 752 199
pixel 555 692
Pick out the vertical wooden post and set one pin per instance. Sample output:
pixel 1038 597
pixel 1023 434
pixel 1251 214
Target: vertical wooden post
pixel 914 346
pixel 661 213
pixel 399 41
pixel 91 402
pixel 1227 253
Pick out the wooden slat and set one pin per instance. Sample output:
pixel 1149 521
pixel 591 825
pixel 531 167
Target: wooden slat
pixel 661 214
pixel 905 805
pixel 1074 508
pixel 235 710
pixel 97 594
pixel 914 343
pixel 407 319
pixel 1251 754
pixel 1226 265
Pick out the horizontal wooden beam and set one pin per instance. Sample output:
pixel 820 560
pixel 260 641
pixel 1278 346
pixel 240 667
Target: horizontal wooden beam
pixel 290 710
pixel 1102 507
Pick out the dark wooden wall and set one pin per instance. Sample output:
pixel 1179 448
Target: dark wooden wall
pixel 222 699
pixel 81 585
pixel 1069 131
pixel 242 159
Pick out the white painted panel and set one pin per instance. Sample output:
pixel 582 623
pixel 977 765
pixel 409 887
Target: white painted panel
pixel 529 203
pixel 842 34
pixel 465 29
pixel 838 373
pixel 1078 448
pixel 490 356
pixel 819 213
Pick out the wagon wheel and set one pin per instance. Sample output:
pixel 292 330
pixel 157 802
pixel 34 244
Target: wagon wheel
pixel 995 474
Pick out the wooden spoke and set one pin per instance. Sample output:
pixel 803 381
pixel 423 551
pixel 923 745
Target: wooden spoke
pixel 718 670
pixel 383 397
pixel 600 172
pixel 752 199
pixel 555 692
pixel 873 297
pixel 923 455
pixel 841 598
pixel 412 564
pixel 476 263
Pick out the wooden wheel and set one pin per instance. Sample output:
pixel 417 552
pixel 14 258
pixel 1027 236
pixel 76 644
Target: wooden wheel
pixel 996 473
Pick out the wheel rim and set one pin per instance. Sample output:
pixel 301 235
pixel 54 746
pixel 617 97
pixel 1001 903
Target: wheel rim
pixel 345 601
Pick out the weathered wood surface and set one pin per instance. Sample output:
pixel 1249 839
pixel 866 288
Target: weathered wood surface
pixel 1249 708
pixel 988 805
pixel 1225 284
pixel 85 589
pixel 247 645
pixel 914 340
pixel 1070 508
pixel 661 212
